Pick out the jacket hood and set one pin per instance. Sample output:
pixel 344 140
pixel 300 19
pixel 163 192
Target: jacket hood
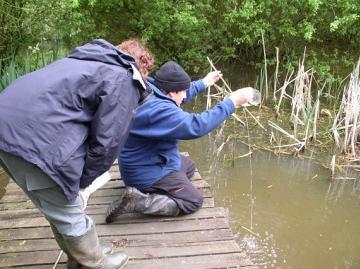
pixel 102 51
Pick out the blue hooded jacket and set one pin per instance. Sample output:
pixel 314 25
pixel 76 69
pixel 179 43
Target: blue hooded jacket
pixel 72 117
pixel 151 152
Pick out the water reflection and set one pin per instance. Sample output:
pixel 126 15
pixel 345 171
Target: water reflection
pixel 286 211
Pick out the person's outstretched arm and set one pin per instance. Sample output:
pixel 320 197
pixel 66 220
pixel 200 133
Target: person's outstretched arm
pixel 170 122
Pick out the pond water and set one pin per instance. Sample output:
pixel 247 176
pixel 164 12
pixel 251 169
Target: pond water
pixel 285 210
pixel 297 217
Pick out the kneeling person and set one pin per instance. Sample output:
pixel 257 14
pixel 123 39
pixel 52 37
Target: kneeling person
pixel 156 176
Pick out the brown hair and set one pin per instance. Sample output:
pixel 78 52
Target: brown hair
pixel 141 54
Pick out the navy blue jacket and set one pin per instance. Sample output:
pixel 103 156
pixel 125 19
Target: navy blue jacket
pixel 72 117
pixel 151 152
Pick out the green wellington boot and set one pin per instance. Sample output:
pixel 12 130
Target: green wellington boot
pixel 71 262
pixel 87 252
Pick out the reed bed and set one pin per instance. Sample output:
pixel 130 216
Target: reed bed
pixel 347 121
pixel 306 118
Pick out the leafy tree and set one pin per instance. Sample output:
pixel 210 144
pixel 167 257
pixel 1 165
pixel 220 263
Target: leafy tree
pixel 188 30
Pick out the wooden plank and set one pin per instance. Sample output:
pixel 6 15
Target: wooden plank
pixel 200 240
pixel 115 174
pixel 124 229
pixel 119 183
pixel 20 196
pixel 40 221
pixel 101 209
pixel 163 239
pixel 233 260
pixel 208 202
pixel 143 252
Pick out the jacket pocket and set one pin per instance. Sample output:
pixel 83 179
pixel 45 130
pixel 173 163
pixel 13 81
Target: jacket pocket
pixel 71 142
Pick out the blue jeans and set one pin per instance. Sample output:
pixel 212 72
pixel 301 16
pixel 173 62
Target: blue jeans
pixel 68 217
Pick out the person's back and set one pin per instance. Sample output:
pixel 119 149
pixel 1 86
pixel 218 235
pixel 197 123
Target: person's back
pixel 62 126
pixel 62 99
pixel 150 151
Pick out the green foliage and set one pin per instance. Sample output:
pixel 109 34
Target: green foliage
pixel 186 30
pixel 30 60
pixel 28 22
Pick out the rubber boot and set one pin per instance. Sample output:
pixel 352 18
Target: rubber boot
pixel 87 252
pixel 71 262
pixel 134 201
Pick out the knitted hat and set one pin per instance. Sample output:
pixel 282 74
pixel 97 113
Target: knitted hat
pixel 171 77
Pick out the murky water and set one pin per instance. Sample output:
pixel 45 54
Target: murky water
pixel 286 212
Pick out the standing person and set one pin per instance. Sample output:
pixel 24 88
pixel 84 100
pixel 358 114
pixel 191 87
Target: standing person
pixel 62 126
pixel 156 175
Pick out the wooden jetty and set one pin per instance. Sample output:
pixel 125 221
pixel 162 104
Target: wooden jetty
pixel 198 241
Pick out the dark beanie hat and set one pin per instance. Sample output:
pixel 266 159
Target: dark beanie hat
pixel 172 77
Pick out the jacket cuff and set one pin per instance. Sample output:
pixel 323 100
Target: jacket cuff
pixel 230 105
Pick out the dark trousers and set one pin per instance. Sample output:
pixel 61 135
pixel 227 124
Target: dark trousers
pixel 178 186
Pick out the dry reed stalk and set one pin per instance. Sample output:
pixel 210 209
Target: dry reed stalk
pixel 272 137
pixel 255 119
pixel 287 81
pixel 309 109
pixel 347 118
pixel 345 178
pixel 273 125
pixel 335 130
pixel 288 145
pixel 283 89
pixel 250 231
pixel 228 91
pixel 242 156
pixel 317 112
pixel 332 165
pixel 265 67
pixel 236 117
pixel 297 104
pixel 304 112
pixel 276 73
pixel 208 99
pixel 58 259
pixel 225 91
pixel 223 144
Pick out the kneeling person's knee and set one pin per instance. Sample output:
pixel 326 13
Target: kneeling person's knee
pixel 193 204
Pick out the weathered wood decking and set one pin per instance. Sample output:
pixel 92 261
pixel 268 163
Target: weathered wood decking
pixel 201 240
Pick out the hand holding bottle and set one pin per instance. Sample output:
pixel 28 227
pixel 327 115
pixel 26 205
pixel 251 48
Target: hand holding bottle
pixel 245 97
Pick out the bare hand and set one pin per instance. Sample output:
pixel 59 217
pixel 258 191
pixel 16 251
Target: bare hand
pixel 211 78
pixel 245 96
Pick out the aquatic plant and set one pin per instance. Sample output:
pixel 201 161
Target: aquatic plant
pixel 347 121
